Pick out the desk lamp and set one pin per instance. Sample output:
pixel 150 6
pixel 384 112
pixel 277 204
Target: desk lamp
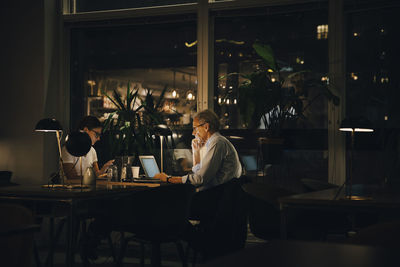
pixel 78 144
pixel 353 125
pixel 162 130
pixel 50 125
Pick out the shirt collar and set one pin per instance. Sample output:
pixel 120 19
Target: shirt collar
pixel 212 137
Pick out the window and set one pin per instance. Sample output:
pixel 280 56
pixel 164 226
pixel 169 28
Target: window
pixel 290 31
pixel 148 57
pixel 372 59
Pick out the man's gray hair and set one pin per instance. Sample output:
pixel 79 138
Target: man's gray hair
pixel 209 116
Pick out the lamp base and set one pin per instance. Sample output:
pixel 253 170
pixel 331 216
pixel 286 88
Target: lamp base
pixel 357 198
pixel 65 186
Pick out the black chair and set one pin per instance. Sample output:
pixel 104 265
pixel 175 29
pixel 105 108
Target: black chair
pixel 16 236
pixel 158 216
pixel 263 208
pixel 383 234
pixel 5 178
pixel 224 228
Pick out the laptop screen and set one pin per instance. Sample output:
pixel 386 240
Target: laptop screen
pixel 249 162
pixel 149 165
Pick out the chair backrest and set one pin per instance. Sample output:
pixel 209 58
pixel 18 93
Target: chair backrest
pixel 226 231
pixel 263 209
pixel 15 217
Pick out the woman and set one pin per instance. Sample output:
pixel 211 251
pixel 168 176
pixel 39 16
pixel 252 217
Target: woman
pixel 72 167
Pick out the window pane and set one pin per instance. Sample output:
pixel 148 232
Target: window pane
pixel 372 59
pixel 298 37
pixel 148 57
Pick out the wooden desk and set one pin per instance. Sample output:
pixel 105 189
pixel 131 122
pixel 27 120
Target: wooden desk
pixel 308 254
pixel 69 202
pixel 379 201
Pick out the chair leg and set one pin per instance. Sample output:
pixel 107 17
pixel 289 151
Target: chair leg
pixel 194 259
pixel 36 254
pixel 142 253
pixel 113 254
pixel 124 244
pixel 155 254
pixel 181 253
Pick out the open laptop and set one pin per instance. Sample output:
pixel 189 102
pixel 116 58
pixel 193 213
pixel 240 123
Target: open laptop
pixel 150 168
pixel 249 163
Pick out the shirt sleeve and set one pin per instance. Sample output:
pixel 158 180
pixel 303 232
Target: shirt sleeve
pixel 209 165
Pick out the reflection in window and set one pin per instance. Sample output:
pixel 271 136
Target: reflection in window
pixel 147 57
pixel 290 31
pixel 322 32
pixel 372 65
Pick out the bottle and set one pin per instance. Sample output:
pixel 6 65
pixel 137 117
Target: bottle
pixel 114 172
pixel 110 173
pixel 124 171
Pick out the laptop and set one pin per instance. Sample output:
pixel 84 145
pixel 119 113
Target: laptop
pixel 150 168
pixel 249 164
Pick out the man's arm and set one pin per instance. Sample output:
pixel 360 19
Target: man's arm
pixel 197 144
pixel 170 179
pixel 210 164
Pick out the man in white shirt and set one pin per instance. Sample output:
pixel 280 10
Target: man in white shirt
pixel 220 162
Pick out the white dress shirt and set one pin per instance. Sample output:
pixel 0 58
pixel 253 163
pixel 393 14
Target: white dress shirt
pixel 219 164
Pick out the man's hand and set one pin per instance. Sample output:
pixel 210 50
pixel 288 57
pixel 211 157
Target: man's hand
pixel 162 176
pixel 197 144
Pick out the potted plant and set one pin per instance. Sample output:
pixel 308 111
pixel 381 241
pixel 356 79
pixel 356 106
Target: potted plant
pixel 275 102
pixel 130 128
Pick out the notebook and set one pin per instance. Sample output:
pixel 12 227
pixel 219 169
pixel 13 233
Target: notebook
pixel 150 168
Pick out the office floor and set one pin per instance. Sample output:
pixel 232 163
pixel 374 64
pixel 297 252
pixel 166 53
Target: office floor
pixel 169 254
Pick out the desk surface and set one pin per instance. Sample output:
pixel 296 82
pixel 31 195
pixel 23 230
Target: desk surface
pixel 308 254
pixel 378 199
pixel 102 188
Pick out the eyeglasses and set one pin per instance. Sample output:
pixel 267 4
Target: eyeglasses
pixel 195 127
pixel 96 134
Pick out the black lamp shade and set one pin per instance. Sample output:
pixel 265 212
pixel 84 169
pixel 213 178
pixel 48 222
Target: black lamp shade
pixel 162 130
pixel 78 144
pixel 48 125
pixel 356 124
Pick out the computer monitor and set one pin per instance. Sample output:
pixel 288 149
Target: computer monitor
pixel 150 166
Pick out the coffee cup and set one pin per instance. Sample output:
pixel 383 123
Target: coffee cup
pixel 135 171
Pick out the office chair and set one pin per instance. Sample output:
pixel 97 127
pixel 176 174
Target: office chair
pixel 224 229
pixel 16 235
pixel 263 207
pixel 159 215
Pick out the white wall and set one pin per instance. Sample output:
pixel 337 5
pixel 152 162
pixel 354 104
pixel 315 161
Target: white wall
pixel 29 78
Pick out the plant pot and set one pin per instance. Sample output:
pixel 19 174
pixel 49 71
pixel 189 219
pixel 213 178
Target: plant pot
pixel 271 150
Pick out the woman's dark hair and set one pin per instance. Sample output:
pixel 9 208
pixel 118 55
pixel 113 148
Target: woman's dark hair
pixel 90 122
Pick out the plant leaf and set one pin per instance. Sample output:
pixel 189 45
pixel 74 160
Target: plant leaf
pixel 266 53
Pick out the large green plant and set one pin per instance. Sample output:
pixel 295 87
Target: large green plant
pixel 263 97
pixel 130 130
